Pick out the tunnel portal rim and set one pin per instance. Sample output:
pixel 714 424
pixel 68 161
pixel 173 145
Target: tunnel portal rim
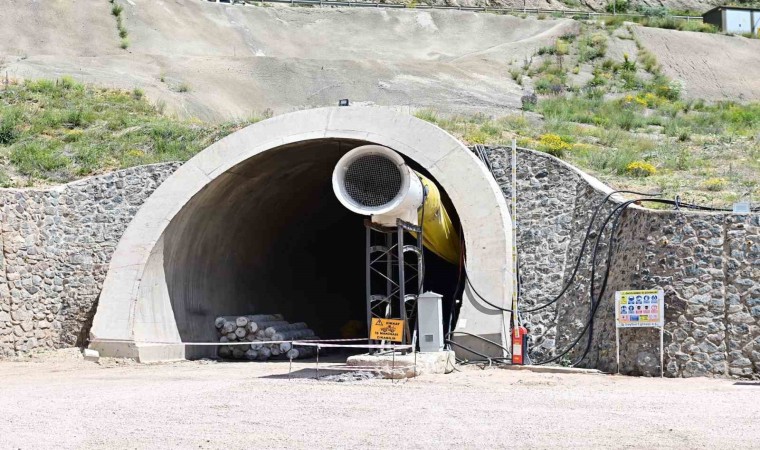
pixel 134 317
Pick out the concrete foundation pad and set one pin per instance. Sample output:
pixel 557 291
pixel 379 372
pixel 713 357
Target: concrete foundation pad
pixel 404 366
pixel 554 369
pixel 151 353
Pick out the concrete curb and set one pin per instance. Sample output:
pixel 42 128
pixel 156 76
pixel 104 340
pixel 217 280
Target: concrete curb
pixel 555 369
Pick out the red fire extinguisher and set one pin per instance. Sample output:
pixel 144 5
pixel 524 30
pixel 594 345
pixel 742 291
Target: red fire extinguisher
pixel 519 345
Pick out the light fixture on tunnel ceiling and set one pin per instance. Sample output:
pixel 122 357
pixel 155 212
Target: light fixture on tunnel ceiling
pixel 376 181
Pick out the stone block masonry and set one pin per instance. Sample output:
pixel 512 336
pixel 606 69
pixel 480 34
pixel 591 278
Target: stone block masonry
pixel 56 245
pixel 709 267
pixel 708 264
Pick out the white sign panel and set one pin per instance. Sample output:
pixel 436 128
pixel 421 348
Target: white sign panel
pixel 639 309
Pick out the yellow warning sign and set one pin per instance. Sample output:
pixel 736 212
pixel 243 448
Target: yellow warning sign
pixel 387 330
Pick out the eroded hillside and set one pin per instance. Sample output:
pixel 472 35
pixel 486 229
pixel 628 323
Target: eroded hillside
pixel 216 62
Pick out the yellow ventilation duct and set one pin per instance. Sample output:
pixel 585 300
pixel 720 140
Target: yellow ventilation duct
pixel 376 181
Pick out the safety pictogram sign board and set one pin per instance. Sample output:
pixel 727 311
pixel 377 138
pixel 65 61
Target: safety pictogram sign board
pixel 387 330
pixel 639 308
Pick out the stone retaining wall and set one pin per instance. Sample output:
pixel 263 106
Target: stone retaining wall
pixel 56 245
pixel 708 264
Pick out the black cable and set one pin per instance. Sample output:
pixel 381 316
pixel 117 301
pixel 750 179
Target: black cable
pixel 595 303
pixel 459 280
pixel 477 294
pixel 578 261
pixel 450 342
pixel 575 269
pixel 593 308
pixel 605 278
pixel 479 337
pixel 422 236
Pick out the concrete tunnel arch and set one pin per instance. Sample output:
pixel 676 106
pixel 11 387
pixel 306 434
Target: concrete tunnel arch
pixel 144 303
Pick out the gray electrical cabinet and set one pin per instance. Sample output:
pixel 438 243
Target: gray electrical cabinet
pixel 430 319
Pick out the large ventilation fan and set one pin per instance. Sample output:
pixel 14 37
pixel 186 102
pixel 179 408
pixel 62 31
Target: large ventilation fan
pixel 375 181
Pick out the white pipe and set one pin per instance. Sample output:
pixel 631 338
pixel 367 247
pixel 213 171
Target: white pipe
pixel 403 206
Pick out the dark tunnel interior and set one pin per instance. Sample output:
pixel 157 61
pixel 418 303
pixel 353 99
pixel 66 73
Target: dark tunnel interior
pixel 269 236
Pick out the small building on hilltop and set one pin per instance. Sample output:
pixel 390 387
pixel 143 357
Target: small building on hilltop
pixel 734 19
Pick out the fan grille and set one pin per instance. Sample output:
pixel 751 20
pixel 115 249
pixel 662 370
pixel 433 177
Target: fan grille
pixel 373 180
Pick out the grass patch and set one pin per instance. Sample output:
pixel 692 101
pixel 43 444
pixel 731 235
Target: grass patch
pixel 59 130
pixel 117 11
pixel 591 47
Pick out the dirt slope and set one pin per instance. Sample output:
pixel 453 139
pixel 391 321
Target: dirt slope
pixel 57 27
pixel 241 60
pixel 711 66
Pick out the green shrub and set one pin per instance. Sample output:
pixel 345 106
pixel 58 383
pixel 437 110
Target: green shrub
pixel 631 81
pixel 67 82
pixel 653 11
pixel 668 23
pixel 516 75
pixel 640 169
pixel 78 118
pixel 490 129
pixel 553 144
pixel 614 21
pixel 476 137
pixel 428 115
pixel 38 158
pixel 663 87
pixel 5 180
pixel 57 129
pixel 9 122
pixel 549 84
pixel 649 61
pixel 714 184
pixel 619 6
pixel 40 86
pixel 124 44
pixel 547 50
pixel 117 9
pixel 591 47
pixel 698 26
pixel 629 119
pixel 628 65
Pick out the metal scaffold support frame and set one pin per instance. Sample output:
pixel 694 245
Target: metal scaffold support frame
pixel 397 281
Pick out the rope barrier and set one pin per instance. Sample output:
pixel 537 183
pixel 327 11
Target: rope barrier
pixel 306 343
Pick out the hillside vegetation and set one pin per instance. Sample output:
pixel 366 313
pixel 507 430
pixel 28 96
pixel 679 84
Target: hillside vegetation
pixel 623 120
pixel 57 131
pixel 60 130
pixel 593 92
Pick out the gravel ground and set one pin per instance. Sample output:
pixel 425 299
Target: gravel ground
pixel 61 401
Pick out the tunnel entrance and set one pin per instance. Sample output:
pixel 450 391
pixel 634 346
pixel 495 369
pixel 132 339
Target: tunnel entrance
pixel 246 224
pixel 269 236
